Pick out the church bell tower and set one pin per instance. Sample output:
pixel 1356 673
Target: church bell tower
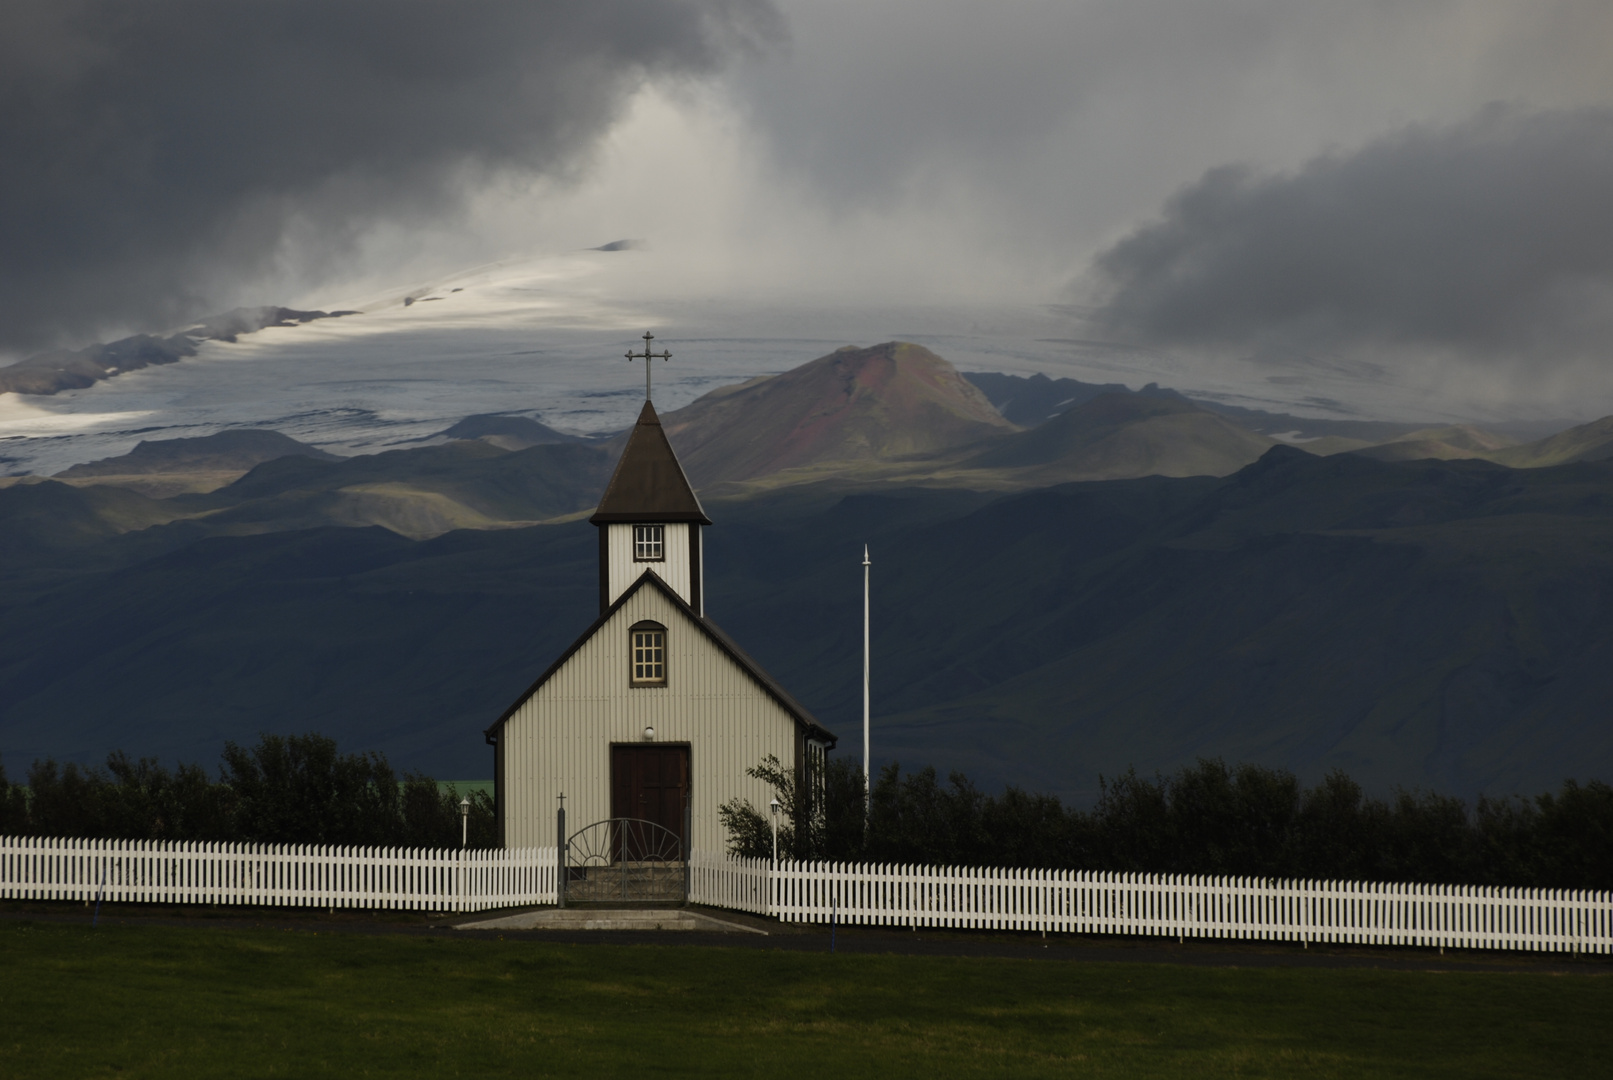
pixel 650 519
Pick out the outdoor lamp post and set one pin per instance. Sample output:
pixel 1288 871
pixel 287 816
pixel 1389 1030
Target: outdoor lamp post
pixel 464 821
pixel 775 831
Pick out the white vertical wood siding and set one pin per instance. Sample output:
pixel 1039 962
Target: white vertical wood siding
pixel 559 739
pixel 624 571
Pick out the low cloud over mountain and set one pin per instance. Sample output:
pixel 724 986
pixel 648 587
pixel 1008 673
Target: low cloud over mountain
pixel 1491 238
pixel 159 155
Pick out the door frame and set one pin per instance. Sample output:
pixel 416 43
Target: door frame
pixel 685 822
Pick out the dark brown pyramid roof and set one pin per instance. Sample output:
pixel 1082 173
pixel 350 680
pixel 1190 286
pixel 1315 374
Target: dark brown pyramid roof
pixel 648 484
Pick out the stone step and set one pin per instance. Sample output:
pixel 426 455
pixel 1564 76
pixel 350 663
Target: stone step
pixel 632 883
pixel 608 919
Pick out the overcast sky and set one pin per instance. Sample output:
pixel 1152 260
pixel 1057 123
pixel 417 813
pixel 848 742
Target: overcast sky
pixel 1415 181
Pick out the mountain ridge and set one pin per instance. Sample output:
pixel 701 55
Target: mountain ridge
pixel 507 431
pixel 165 467
pixel 1115 436
pixel 878 418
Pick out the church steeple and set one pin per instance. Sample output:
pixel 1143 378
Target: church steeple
pixel 648 484
pixel 649 518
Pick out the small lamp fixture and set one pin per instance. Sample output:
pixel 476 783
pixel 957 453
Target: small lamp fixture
pixel 649 734
pixel 464 821
pixel 775 808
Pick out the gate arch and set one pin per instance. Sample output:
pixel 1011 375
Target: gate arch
pixel 624 860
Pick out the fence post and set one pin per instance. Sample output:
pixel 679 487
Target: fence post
pixel 560 854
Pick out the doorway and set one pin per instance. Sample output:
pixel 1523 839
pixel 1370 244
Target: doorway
pixel 650 782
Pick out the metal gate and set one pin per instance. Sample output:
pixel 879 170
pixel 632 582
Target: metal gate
pixel 624 860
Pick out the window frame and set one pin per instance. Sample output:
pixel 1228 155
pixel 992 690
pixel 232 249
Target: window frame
pixel 633 663
pixel 659 542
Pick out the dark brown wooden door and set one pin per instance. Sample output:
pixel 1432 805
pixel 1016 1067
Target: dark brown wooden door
pixel 651 783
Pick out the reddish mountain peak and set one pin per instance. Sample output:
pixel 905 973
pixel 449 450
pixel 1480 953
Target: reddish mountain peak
pixel 855 404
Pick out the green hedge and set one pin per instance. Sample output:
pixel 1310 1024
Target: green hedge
pixel 285 790
pixel 1208 818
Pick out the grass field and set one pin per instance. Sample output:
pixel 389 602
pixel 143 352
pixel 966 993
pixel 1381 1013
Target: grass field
pixel 210 1001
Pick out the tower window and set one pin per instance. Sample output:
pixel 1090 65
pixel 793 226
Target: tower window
pixel 649 543
pixel 647 654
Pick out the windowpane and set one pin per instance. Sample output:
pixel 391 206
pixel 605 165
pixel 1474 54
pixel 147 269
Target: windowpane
pixel 649 543
pixel 649 655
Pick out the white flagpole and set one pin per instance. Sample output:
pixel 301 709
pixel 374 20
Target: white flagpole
pixel 868 782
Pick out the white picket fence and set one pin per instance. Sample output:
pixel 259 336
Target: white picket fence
pixel 1084 902
pixel 287 875
pixel 1078 902
pixel 726 882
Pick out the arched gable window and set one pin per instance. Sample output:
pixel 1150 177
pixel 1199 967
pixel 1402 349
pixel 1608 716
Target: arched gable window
pixel 646 657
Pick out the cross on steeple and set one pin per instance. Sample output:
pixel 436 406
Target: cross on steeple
pixel 647 356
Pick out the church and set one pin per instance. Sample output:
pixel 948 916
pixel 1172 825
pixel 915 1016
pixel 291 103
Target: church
pixel 653 713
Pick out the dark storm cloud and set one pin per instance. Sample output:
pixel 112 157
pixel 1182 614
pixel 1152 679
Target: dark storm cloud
pixel 1493 236
pixel 157 154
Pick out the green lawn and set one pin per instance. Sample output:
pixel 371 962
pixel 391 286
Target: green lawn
pixel 208 1001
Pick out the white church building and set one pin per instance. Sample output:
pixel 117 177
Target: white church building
pixel 653 709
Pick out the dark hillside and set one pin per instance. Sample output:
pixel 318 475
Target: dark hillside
pixel 1448 443
pixel 419 493
pixel 406 646
pixel 1444 624
pixel 1587 442
pixel 1447 624
pixel 1114 436
pixel 540 481
pixel 51 522
pixel 508 432
pixel 238 449
pixel 1035 399
pixel 162 468
pixel 1029 400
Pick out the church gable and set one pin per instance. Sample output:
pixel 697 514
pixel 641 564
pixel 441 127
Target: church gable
pixel 700 659
pixel 690 663
pixel 692 689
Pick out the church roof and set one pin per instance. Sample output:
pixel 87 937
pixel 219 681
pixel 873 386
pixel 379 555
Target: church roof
pixel 648 484
pixel 650 579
